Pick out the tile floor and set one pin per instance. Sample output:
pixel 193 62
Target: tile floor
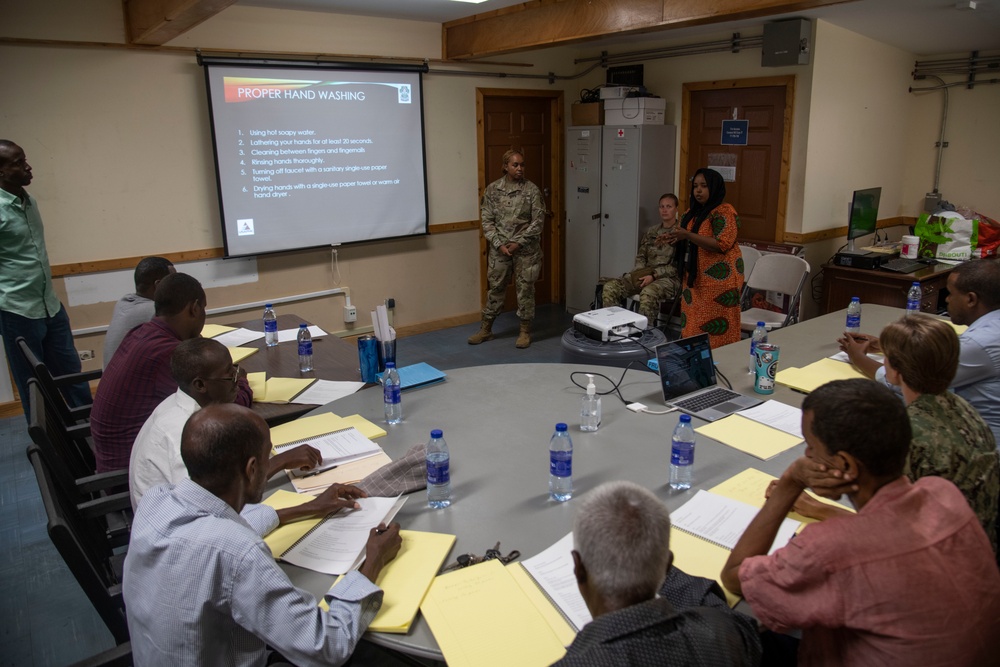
pixel 45 618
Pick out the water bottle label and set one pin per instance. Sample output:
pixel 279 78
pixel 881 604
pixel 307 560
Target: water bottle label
pixel 305 348
pixel 391 393
pixel 437 473
pixel 682 453
pixel 271 326
pixel 854 321
pixel 561 464
pixel 913 304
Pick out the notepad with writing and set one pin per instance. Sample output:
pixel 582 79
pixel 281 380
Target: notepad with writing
pixel 336 544
pixel 417 375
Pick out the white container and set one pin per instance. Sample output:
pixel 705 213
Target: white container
pixel 635 111
pixel 909 247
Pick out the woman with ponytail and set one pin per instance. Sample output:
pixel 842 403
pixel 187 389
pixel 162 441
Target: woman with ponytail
pixel 709 262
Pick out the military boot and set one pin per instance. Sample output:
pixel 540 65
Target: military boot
pixel 485 332
pixel 524 337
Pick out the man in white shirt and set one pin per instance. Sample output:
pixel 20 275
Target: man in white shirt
pixel 205 374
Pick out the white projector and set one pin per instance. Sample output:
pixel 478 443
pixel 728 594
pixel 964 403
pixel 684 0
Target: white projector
pixel 608 323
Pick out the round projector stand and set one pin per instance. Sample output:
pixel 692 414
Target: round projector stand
pixel 578 349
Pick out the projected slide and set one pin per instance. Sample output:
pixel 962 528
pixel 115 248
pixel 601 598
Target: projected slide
pixel 308 157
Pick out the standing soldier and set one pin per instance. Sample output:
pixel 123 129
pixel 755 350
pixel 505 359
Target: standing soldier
pixel 512 214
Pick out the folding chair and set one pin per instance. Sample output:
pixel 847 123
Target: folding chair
pixel 775 273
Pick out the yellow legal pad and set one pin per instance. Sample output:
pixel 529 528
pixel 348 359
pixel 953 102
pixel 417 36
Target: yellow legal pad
pixel 282 538
pixel 749 436
pixel 480 617
pixel 282 390
pixel 309 427
pixel 213 330
pixel 240 353
pixel 563 630
pixel 816 374
pixel 704 559
pixel 258 384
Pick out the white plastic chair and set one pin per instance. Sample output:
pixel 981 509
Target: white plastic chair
pixel 775 273
pixel 750 257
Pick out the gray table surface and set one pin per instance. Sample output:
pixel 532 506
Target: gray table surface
pixel 498 419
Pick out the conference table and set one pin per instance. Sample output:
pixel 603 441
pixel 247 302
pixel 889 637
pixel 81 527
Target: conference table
pixel 498 419
pixel 333 359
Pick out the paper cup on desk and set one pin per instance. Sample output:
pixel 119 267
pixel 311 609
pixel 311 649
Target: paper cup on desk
pixel 386 353
pixel 910 246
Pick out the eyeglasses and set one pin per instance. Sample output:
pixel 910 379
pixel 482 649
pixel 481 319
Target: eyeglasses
pixel 235 379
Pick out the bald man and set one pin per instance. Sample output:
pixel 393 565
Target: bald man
pixel 201 587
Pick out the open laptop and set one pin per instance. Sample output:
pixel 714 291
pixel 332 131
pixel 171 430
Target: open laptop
pixel 687 374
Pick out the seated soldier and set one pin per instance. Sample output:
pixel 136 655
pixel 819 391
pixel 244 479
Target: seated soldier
pixel 654 277
pixel 622 539
pixel 909 580
pixel 202 588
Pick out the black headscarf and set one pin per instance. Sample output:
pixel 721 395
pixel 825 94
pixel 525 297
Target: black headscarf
pixel 687 253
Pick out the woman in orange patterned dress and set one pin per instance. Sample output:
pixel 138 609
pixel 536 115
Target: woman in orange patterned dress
pixel 710 262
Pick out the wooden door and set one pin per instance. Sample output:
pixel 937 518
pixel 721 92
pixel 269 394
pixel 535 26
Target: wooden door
pixel 529 122
pixel 759 189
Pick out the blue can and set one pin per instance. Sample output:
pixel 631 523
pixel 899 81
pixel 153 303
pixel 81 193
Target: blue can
pixel 766 365
pixel 368 358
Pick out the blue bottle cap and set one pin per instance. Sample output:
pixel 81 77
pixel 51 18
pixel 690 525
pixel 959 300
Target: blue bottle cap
pixel 436 433
pixel 267 305
pixel 686 419
pixel 303 326
pixel 760 324
pixel 390 364
pixel 560 426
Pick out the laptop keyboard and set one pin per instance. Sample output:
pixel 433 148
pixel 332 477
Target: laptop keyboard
pixel 706 400
pixel 902 265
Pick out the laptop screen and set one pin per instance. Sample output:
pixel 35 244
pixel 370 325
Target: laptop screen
pixel 685 366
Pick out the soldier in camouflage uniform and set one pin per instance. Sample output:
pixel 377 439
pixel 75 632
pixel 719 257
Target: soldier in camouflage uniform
pixel 512 214
pixel 654 278
pixel 950 438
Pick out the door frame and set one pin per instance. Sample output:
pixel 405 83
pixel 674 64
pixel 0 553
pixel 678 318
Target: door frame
pixel 788 82
pixel 554 228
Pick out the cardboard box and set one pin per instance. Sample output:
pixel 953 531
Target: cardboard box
pixel 635 111
pixel 589 113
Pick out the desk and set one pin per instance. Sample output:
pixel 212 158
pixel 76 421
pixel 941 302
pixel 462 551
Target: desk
pixel 333 359
pixel 498 421
pixel 887 288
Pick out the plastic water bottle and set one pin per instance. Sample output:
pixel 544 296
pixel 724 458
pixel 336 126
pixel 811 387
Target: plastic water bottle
pixel 270 326
pixel 438 471
pixel 682 455
pixel 759 336
pixel 913 298
pixel 391 394
pixel 854 316
pixel 305 349
pixel 590 410
pixel 561 465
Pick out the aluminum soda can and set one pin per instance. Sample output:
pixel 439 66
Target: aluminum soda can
pixel 368 358
pixel 766 366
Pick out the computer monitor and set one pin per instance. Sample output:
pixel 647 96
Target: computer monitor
pixel 863 216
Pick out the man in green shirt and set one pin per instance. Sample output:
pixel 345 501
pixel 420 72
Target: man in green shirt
pixel 28 305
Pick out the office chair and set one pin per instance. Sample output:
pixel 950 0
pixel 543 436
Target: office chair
pixel 775 273
pixel 79 537
pixel 75 476
pixel 119 656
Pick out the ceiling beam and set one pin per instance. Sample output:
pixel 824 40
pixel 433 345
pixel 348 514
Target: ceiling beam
pixel 156 22
pixel 543 23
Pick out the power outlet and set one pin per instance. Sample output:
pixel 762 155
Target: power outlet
pixel 86 355
pixel 350 314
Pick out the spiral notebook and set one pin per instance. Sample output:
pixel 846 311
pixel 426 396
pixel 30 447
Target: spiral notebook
pixel 722 521
pixel 337 447
pixel 336 544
